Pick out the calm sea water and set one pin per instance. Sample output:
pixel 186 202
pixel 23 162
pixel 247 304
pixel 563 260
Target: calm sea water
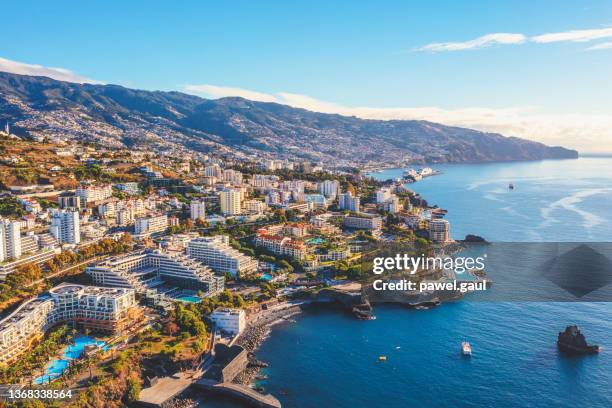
pixel 329 359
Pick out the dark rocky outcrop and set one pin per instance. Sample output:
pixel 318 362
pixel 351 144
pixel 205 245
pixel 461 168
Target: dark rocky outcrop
pixel 573 341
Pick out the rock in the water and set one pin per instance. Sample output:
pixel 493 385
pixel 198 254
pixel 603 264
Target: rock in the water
pixel 573 341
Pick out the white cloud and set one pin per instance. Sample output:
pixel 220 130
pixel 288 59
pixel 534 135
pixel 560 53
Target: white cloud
pixel 574 36
pixel 584 132
pixel 602 46
pixel 517 38
pixel 480 42
pixel 61 74
pixel 221 91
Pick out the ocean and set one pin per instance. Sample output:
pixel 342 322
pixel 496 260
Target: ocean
pixel 326 358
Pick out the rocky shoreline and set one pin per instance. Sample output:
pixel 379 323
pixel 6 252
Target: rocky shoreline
pixel 254 336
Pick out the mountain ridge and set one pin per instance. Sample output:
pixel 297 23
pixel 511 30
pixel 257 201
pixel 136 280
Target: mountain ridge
pixel 161 120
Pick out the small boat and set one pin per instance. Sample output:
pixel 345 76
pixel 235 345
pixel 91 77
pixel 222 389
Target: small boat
pixel 510 186
pixel 466 349
pixel 382 358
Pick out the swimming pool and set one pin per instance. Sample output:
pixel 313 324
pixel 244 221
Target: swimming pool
pixel 315 241
pixel 189 299
pixel 73 351
pixel 266 277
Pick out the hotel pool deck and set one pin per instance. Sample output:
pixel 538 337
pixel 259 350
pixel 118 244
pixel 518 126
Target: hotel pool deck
pixel 71 352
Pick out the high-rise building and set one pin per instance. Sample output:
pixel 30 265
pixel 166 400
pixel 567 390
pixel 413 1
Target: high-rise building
pixel 214 171
pixel 230 201
pixel 216 252
pixel 346 201
pixel 329 188
pixel 66 226
pixel 439 230
pixel 198 209
pixel 383 195
pixel 69 201
pixel 10 239
pixel 232 176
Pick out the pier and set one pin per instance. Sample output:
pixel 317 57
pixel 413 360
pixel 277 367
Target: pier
pixel 241 392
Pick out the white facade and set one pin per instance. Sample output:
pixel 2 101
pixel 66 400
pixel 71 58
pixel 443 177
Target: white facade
pixel 10 239
pixel 228 320
pixel 151 224
pixel 93 307
pixel 66 226
pixel 329 188
pixel 198 209
pixel 92 194
pixel 219 255
pixel 230 202
pixel 346 201
pixel 439 230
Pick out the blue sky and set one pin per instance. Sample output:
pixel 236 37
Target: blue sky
pixel 546 77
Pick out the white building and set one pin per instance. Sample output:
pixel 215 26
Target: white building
pixel 10 239
pixel 93 194
pixel 254 207
pixel 66 226
pixel 439 230
pixel 383 195
pixel 230 201
pixel 216 252
pixel 148 270
pixel 198 209
pixel 232 176
pixel 228 320
pixel 346 201
pixel 108 310
pixel 151 224
pixel 214 171
pixel 329 188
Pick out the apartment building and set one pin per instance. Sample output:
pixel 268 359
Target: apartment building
pixel 151 224
pixel 94 193
pixel 10 239
pixel 346 201
pixel 439 230
pixel 230 201
pixel 363 221
pixel 197 209
pixel 216 253
pixel 66 226
pixel 329 188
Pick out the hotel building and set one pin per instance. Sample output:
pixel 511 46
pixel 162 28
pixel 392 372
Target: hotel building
pixel 219 255
pixel 107 310
pixel 148 270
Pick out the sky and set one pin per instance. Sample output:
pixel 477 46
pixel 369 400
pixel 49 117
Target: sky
pixel 541 70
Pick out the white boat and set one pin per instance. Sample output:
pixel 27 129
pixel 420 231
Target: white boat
pixel 466 348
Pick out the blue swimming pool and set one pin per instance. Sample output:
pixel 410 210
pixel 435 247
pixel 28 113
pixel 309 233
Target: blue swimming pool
pixel 266 277
pixel 315 241
pixel 71 352
pixel 189 299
